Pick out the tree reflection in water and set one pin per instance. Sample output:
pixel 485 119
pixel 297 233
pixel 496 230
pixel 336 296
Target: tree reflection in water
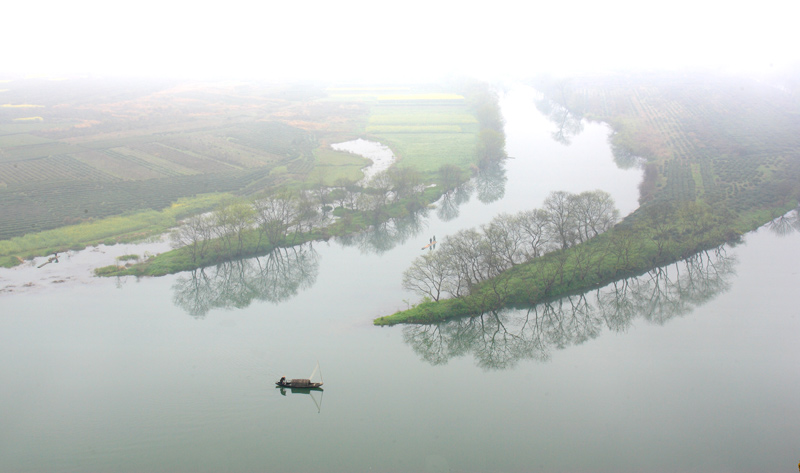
pixel 568 124
pixel 490 182
pixel 452 200
pixel 498 340
pixel 786 224
pixel 274 277
pixel 385 236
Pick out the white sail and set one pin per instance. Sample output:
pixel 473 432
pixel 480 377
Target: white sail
pixel 316 368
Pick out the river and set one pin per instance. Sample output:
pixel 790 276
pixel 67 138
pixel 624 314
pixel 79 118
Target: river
pixel 177 373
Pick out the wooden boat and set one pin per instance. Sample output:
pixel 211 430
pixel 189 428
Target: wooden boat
pixel 298 384
pixel 429 245
pixel 302 383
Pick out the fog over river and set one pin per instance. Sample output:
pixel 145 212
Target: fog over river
pixel 692 367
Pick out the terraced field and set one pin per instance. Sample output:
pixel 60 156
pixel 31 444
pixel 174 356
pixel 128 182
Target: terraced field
pixel 103 149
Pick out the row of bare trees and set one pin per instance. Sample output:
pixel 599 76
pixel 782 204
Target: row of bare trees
pixel 278 218
pixel 281 215
pixel 471 256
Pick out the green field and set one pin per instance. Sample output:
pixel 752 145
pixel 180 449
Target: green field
pixel 428 152
pixel 401 116
pixel 423 132
pixel 332 165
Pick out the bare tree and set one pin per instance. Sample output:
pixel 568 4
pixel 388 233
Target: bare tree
pixel 429 275
pixel 194 233
pixel 533 224
pixel 375 196
pixel 560 209
pixel 595 213
pixel 466 251
pixel 506 239
pixel 380 186
pixel 224 226
pixel 236 219
pixel 405 182
pixel 274 214
pixel 307 216
pixel 344 192
pixel 321 193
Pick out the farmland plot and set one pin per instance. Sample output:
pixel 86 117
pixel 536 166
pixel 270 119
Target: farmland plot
pixel 426 133
pixel 52 168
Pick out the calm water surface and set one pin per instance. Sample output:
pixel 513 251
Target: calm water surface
pixel 690 369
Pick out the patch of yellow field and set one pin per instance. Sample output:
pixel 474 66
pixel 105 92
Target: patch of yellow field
pixel 413 129
pixel 366 89
pixel 432 96
pixel 20 105
pixel 29 119
pixel 354 96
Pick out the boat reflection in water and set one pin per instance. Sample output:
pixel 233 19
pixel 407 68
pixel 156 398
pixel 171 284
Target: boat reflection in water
pixel 309 391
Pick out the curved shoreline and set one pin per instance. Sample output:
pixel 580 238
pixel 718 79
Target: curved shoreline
pixel 381 155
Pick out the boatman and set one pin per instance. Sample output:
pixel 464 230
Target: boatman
pixel 282 381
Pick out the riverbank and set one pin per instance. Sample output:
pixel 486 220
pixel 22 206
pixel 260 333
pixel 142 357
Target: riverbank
pixel 107 231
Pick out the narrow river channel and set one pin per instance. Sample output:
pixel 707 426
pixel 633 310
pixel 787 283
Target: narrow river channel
pixel 177 373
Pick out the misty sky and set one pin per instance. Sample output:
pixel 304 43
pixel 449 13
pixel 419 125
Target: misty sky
pixel 356 39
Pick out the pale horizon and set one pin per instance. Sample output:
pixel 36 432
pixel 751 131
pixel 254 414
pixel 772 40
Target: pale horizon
pixel 365 41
